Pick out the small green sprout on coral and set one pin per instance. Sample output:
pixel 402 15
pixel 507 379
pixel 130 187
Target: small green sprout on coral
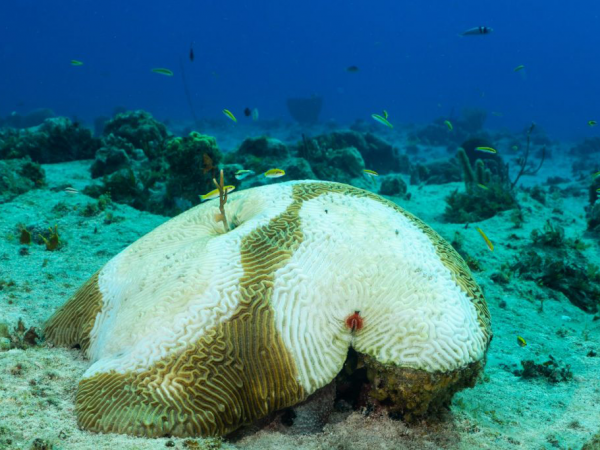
pixel 222 201
pixel 53 240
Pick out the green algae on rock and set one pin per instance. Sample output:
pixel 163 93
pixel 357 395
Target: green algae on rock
pixel 140 129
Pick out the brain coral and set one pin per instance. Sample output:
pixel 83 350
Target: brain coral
pixel 194 331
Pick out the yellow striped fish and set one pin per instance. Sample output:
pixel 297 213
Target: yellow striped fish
pixel 485 238
pixel 163 71
pixel 486 149
pixel 215 193
pixel 382 120
pixel 274 173
pixel 230 115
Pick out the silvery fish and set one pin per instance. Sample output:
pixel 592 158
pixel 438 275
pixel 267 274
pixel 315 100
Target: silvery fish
pixel 241 174
pixel 476 31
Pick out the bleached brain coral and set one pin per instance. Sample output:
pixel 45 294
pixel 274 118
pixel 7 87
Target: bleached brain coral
pixel 194 331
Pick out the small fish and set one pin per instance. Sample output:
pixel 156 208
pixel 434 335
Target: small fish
pixel 596 175
pixel 483 186
pixel 255 114
pixel 207 163
pixel 449 125
pixel 352 69
pixel 520 67
pixel 229 114
pixel 486 149
pixel 515 147
pixel 274 173
pixel 241 174
pixel 485 238
pixel 522 342
pixel 74 62
pixel 247 112
pixel 382 120
pixel 385 114
pixel 163 71
pixel 592 123
pixel 477 31
pixel 215 193
pixel 71 190
pixel 371 173
pixel 191 53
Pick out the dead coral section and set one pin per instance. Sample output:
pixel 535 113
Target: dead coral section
pixel 436 172
pixel 56 140
pixel 438 133
pixel 18 176
pixel 139 129
pixel 377 154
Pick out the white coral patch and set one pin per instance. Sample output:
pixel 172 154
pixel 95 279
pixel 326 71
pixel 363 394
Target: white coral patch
pixel 358 254
pixel 162 292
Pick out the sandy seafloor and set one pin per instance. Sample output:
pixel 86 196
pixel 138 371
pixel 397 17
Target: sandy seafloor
pixel 38 385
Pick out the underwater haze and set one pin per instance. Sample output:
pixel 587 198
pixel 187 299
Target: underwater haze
pixel 412 60
pixel 254 225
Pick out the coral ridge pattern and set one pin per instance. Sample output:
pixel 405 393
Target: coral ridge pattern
pixel 193 331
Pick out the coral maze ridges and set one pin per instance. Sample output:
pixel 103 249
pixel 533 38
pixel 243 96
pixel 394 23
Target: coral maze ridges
pixel 72 323
pixel 450 258
pixel 238 372
pixel 240 369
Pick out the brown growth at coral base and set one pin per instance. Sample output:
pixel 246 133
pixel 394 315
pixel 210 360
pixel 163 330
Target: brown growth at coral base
pixel 416 393
pixel 72 323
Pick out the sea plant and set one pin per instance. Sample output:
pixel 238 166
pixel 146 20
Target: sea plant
pixel 578 281
pixel 522 161
pixel 485 194
pixel 551 370
pixel 24 235
pixel 553 235
pixel 52 240
pixel 593 210
pixel 19 337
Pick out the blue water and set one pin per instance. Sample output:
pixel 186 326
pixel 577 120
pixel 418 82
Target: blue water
pixel 258 53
